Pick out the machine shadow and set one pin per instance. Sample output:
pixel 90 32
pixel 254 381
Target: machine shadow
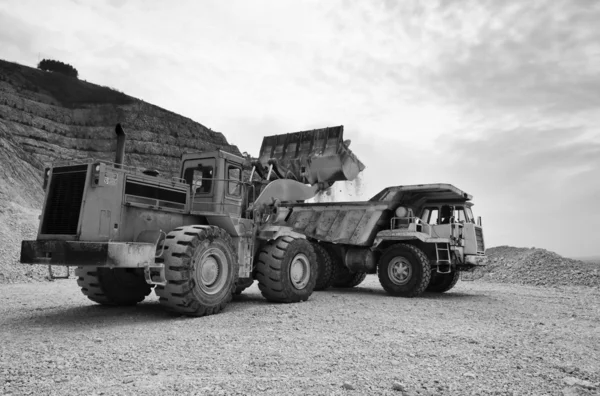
pixel 450 295
pixel 101 316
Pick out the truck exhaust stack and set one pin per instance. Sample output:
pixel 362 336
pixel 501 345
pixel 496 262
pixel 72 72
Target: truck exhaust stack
pixel 120 155
pixel 319 155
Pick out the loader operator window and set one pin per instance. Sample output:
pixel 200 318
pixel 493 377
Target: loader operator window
pixel 233 184
pixel 202 179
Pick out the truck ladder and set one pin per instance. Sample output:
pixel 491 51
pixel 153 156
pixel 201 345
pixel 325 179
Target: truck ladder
pixel 442 255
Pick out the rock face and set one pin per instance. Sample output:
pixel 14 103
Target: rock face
pixel 53 125
pixel 540 267
pixel 47 117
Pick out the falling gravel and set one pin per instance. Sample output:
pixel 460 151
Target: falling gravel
pixel 478 339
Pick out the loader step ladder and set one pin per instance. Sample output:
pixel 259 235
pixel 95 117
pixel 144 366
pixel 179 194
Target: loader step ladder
pixel 52 277
pixel 442 256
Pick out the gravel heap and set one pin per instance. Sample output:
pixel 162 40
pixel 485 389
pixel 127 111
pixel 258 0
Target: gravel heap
pixel 16 224
pixel 539 267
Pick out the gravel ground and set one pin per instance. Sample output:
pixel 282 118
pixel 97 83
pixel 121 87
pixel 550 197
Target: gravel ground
pixel 478 339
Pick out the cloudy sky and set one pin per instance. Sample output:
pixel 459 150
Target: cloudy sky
pixel 500 98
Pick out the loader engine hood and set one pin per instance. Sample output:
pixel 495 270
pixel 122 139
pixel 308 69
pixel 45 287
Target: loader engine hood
pixel 315 156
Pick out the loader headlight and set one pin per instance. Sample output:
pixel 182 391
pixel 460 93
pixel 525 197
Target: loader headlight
pixel 95 174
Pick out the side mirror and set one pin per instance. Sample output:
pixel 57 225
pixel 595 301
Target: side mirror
pixel 479 221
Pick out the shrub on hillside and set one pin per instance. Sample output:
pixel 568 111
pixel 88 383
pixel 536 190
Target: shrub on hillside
pixel 58 66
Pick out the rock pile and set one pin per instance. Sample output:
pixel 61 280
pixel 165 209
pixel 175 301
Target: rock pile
pixel 539 267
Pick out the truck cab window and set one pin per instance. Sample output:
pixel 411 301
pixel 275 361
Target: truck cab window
pixel 430 215
pixel 459 214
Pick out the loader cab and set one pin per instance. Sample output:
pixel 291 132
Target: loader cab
pixel 215 182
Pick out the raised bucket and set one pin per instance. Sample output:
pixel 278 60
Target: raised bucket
pixel 318 155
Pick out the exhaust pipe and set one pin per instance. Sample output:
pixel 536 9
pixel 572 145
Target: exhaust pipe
pixel 120 155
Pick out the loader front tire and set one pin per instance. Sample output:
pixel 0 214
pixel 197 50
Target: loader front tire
pixel 441 283
pixel 404 270
pixel 287 270
pixel 201 269
pixel 113 286
pixel 324 267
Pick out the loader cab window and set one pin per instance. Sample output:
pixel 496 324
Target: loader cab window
pixel 200 179
pixel 234 175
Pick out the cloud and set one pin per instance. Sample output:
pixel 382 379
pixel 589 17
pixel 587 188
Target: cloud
pixel 532 186
pixel 499 98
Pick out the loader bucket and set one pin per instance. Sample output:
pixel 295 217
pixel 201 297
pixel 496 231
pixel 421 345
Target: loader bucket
pixel 310 157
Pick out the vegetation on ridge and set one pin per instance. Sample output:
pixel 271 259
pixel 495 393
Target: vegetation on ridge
pixel 70 92
pixel 58 67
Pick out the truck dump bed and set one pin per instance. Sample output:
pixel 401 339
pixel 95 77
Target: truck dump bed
pixel 352 223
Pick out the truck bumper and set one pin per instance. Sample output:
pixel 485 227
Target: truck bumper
pixel 92 254
pixel 475 260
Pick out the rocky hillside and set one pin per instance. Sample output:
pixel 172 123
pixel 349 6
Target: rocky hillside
pixel 47 117
pixel 531 266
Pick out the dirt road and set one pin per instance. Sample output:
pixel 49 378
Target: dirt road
pixel 481 338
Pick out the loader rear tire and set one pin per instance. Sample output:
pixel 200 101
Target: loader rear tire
pixel 243 284
pixel 287 270
pixel 441 283
pixel 404 270
pixel 201 269
pixel 324 267
pixel 113 286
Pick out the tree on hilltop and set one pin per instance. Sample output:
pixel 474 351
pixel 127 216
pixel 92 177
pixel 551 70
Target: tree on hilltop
pixel 57 66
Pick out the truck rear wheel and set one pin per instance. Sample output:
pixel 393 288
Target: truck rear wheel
pixel 287 270
pixel 441 283
pixel 324 267
pixel 346 279
pixel 404 270
pixel 243 284
pixel 201 269
pixel 113 286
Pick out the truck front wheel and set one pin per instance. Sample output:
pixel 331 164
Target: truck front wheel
pixel 201 269
pixel 404 270
pixel 287 270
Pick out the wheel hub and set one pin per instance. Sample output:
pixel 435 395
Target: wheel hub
pixel 400 270
pixel 300 271
pixel 210 271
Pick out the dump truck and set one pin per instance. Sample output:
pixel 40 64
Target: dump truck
pixel 222 223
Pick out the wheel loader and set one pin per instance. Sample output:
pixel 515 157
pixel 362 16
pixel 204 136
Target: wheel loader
pixel 222 223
